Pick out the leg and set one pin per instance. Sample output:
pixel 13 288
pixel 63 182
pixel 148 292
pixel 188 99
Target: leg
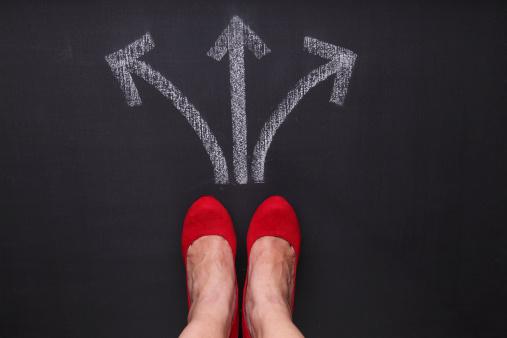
pixel 211 286
pixel 270 287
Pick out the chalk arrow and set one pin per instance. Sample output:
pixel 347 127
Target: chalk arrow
pixel 234 38
pixel 341 63
pixel 125 62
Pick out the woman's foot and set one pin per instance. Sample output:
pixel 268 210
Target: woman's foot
pixel 211 284
pixel 268 299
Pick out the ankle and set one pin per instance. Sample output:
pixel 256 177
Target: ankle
pixel 215 311
pixel 264 320
pixel 266 306
pixel 211 284
pixel 210 324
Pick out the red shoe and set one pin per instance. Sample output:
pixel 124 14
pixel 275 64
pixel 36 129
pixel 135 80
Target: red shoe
pixel 274 217
pixel 208 217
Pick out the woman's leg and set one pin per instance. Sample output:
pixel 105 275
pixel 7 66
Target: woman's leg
pixel 270 288
pixel 211 285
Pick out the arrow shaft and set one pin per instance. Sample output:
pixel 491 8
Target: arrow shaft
pixel 238 110
pixel 235 45
pixel 282 111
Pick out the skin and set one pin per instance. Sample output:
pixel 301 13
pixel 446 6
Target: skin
pixel 211 285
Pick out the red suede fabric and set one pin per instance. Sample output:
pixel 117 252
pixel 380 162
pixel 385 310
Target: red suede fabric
pixel 274 217
pixel 207 216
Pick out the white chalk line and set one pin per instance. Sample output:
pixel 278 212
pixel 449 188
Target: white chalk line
pixel 124 62
pixel 341 64
pixel 345 59
pixel 233 39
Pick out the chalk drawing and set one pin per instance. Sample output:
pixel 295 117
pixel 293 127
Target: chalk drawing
pixel 341 64
pixel 233 39
pixel 125 61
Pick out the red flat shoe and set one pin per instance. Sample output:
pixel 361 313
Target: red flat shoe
pixel 274 217
pixel 208 217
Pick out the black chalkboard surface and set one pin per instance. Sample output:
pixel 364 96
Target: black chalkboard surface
pixel 382 123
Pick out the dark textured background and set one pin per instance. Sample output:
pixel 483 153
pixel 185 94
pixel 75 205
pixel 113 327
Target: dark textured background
pixel 400 193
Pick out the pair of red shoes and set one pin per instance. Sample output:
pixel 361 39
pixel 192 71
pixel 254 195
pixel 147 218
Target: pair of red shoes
pixel 274 217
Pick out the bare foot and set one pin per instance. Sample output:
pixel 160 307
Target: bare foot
pixel 270 288
pixel 212 288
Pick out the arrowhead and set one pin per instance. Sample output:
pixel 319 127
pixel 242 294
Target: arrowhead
pixel 237 35
pixel 122 63
pixel 342 62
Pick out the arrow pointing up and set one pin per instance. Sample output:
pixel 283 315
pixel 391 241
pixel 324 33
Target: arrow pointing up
pixel 233 39
pixel 125 62
pixel 341 64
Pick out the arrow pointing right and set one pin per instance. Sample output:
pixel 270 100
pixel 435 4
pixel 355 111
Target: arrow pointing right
pixel 341 64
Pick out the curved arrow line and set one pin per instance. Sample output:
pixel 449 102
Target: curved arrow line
pixel 342 61
pixel 124 62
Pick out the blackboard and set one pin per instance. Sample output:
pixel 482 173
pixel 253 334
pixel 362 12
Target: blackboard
pixel 399 184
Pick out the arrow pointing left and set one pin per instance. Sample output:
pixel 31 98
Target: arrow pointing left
pixel 125 62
